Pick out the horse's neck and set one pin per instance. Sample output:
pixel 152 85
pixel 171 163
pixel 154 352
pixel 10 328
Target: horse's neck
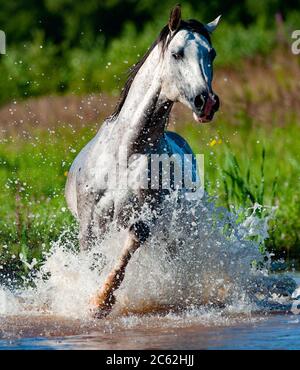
pixel 145 111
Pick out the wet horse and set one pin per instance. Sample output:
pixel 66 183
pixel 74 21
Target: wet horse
pixel 176 68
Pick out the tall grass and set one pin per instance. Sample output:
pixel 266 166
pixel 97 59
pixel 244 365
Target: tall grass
pixel 242 186
pixel 261 165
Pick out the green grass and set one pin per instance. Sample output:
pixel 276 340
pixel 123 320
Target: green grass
pixel 243 165
pixel 251 165
pixel 33 172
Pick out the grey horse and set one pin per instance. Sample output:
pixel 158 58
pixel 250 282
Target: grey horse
pixel 176 68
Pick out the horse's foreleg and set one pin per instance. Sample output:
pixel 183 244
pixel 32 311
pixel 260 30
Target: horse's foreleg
pixel 105 299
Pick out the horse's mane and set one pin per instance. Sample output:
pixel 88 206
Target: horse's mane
pixel 189 25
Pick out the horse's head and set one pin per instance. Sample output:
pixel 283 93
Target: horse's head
pixel 188 65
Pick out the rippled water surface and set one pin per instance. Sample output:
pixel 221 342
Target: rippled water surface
pixel 277 331
pixel 194 329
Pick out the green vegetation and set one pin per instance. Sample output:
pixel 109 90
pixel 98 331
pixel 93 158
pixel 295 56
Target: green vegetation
pixel 246 165
pixel 242 166
pixel 67 47
pixel 61 46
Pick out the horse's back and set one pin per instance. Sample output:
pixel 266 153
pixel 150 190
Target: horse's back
pixel 172 137
pixel 176 144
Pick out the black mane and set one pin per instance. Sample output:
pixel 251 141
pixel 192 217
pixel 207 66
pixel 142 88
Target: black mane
pixel 189 25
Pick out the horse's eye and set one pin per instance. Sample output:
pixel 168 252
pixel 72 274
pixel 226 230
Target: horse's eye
pixel 212 54
pixel 178 55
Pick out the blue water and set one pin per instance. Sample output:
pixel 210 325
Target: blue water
pixel 273 332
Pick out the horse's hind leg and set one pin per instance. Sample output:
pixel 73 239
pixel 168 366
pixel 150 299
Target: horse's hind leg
pixel 105 299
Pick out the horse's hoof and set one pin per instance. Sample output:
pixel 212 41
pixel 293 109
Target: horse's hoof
pixel 102 308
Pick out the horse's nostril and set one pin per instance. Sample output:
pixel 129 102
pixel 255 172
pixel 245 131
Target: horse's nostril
pixel 199 102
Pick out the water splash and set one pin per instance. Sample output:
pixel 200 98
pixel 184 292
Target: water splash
pixel 198 256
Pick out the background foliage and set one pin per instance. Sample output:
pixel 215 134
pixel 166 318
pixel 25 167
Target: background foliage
pixel 59 46
pixel 71 47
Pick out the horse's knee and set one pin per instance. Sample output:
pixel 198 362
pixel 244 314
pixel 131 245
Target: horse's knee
pixel 140 230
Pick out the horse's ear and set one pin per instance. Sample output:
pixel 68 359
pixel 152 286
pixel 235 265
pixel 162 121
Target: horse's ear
pixel 175 18
pixel 213 25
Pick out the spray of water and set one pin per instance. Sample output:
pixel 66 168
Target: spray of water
pixel 197 258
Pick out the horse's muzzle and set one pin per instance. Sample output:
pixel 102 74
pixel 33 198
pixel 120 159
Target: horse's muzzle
pixel 206 105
